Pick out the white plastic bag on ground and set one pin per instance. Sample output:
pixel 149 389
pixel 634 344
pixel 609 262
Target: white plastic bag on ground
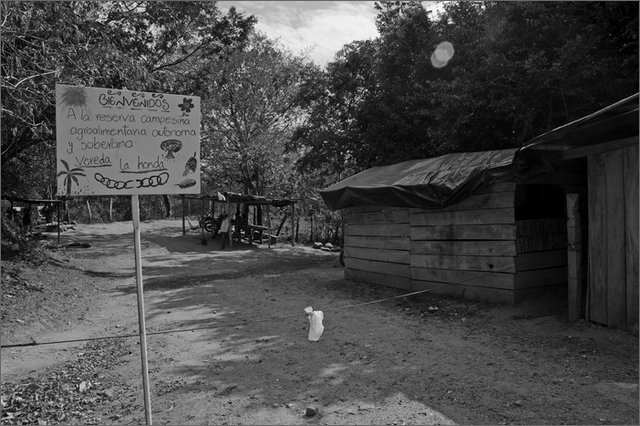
pixel 315 323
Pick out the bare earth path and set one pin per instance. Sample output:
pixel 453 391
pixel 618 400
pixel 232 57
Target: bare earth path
pixel 246 358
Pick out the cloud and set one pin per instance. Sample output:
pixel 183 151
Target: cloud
pixel 318 27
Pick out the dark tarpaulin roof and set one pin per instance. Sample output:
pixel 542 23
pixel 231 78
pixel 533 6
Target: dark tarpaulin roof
pixel 617 121
pixel 426 183
pixel 438 182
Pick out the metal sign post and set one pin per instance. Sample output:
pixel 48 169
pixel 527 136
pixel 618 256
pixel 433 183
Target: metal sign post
pixel 135 216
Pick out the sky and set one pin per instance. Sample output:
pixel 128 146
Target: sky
pixel 319 28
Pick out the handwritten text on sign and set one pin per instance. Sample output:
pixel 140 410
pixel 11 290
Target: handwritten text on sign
pixel 120 142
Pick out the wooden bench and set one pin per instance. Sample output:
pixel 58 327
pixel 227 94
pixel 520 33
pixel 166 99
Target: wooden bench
pixel 258 228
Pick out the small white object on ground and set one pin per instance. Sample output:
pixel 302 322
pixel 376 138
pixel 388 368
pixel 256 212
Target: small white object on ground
pixel 315 323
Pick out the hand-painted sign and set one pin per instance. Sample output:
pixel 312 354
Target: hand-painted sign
pixel 121 142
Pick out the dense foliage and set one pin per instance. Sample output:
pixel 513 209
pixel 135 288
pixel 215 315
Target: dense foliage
pixel 248 116
pixel 149 46
pixel 518 70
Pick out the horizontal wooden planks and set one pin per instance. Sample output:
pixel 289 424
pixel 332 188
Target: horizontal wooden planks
pixel 494 295
pixel 378 278
pixel 500 280
pixel 466 263
pixel 463 232
pixel 492 200
pixel 463 217
pixel 391 229
pixel 480 248
pixel 376 241
pixel 362 209
pixel 397 269
pixel 498 187
pixel 387 215
pixel 458 248
pixel 379 254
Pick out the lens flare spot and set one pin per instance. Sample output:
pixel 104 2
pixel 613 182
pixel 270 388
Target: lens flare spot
pixel 442 55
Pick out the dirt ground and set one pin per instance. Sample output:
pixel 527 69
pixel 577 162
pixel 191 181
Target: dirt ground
pixel 227 343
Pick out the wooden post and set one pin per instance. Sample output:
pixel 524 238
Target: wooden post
pixel 269 223
pixel 312 238
pixel 204 238
pixel 184 229
pixel 58 222
pixel 574 257
pixel 135 216
pixel 229 233
pixel 293 224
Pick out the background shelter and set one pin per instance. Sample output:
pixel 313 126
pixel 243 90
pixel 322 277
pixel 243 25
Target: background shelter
pixel 250 222
pixel 495 226
pixel 34 200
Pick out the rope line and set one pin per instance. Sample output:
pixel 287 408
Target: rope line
pixel 237 324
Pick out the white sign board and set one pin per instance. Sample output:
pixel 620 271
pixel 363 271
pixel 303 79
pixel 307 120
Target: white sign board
pixel 121 142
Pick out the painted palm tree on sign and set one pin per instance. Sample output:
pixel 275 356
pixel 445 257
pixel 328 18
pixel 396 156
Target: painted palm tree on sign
pixel 70 176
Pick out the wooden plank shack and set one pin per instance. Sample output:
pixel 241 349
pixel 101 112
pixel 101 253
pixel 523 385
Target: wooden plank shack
pixel 476 248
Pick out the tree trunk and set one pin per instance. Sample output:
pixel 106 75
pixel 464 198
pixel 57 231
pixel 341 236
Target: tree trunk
pixel 167 206
pixel 66 217
pixel 88 209
pixel 284 219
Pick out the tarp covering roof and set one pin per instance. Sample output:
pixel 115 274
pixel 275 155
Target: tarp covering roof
pixel 617 121
pixel 441 181
pixel 426 183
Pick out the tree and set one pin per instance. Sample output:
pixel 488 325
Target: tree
pixel 250 112
pixel 518 70
pixel 522 68
pixel 330 138
pixel 143 45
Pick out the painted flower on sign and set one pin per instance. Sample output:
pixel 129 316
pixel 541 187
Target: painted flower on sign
pixel 186 106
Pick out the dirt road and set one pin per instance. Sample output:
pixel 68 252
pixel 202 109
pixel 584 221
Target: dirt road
pixel 246 359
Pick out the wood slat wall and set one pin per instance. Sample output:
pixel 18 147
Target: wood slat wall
pixel 613 237
pixel 376 245
pixel 541 262
pixel 474 248
pixel 467 249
